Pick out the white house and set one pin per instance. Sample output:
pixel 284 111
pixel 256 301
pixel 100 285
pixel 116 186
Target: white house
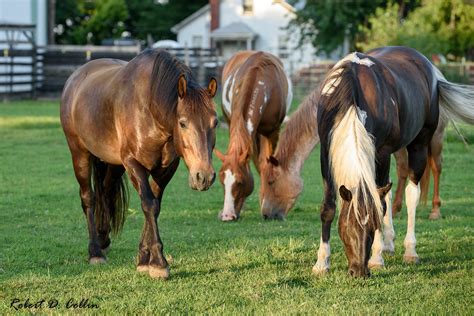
pixel 233 25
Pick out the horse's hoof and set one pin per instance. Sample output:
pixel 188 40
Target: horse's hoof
pixel 320 271
pixel 373 265
pixel 97 260
pixel 142 268
pixel 434 216
pixel 158 272
pixel 411 259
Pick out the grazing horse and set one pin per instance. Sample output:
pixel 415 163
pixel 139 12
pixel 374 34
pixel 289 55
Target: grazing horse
pixel 255 99
pixel 140 117
pixel 433 164
pixel 372 105
pixel 280 178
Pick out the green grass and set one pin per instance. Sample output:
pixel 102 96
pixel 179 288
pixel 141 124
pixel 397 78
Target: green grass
pixel 250 266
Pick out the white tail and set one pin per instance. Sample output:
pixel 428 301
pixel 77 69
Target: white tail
pixel 352 161
pixel 456 100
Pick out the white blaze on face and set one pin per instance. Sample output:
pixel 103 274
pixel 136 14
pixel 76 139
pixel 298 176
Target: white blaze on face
pixel 229 180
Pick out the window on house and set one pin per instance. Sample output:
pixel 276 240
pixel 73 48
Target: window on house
pixel 197 41
pixel 248 6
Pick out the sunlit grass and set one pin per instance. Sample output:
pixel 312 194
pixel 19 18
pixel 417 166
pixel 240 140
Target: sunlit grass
pixel 251 266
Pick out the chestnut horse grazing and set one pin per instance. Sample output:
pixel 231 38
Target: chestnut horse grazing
pixel 281 182
pixel 434 165
pixel 140 117
pixel 256 96
pixel 372 105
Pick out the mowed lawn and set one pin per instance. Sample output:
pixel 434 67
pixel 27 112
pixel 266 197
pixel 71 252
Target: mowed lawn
pixel 249 266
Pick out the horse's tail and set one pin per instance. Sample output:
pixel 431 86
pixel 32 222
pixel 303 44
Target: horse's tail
pixel 425 182
pixel 111 202
pixel 352 148
pixel 455 99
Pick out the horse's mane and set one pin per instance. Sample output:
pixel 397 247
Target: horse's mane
pixel 351 147
pixel 164 81
pixel 302 124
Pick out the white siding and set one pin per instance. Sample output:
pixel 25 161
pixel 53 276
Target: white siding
pixel 198 27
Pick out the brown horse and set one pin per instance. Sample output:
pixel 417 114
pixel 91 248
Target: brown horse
pixel 256 97
pixel 433 165
pixel 281 182
pixel 140 117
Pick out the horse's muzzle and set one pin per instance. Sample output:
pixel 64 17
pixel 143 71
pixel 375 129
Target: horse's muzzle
pixel 270 211
pixel 201 180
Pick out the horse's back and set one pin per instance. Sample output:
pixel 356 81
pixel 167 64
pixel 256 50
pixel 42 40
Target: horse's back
pixel 87 114
pixel 251 74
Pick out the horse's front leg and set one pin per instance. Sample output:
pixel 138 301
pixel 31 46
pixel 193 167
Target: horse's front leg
pixel 328 211
pixel 161 178
pixel 150 245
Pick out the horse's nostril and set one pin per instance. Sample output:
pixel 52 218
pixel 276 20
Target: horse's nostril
pixel 198 177
pixel 213 177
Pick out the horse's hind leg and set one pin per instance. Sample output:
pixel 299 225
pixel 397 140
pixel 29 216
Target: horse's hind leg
pixel 435 162
pixel 401 158
pixel 81 161
pixel 417 156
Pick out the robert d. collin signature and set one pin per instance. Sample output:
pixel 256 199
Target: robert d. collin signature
pixel 83 303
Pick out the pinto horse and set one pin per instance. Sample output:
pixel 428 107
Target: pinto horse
pixel 372 105
pixel 140 117
pixel 256 97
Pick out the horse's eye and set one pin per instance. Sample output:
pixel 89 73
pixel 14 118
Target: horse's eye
pixel 214 123
pixel 182 124
pixel 270 182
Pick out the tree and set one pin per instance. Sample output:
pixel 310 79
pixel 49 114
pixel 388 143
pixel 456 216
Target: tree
pixel 83 21
pixel 147 17
pixel 437 27
pixel 326 23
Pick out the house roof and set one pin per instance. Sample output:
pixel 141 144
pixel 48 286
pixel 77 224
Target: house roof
pixel 175 29
pixel 236 30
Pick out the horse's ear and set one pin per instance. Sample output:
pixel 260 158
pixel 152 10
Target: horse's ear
pixel 273 161
pixel 219 154
pixel 345 193
pixel 212 87
pixel 384 190
pixel 182 86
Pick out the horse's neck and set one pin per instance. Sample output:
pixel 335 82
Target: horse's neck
pixel 299 137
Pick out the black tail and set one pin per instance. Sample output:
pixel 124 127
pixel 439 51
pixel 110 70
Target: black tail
pixel 111 200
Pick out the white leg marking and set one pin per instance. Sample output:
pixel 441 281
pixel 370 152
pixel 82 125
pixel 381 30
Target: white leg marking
pixel 376 260
pixel 228 213
pixel 324 253
pixel 412 196
pixel 388 231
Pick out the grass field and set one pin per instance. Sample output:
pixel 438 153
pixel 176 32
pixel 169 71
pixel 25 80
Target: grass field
pixel 250 266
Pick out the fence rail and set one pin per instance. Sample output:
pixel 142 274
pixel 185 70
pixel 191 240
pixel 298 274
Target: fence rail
pixel 43 71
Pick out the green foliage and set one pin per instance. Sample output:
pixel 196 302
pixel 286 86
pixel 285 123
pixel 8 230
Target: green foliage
pixel 326 23
pixel 248 267
pixel 156 20
pixel 437 27
pixel 91 21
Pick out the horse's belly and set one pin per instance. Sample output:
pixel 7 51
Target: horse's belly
pixel 105 150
